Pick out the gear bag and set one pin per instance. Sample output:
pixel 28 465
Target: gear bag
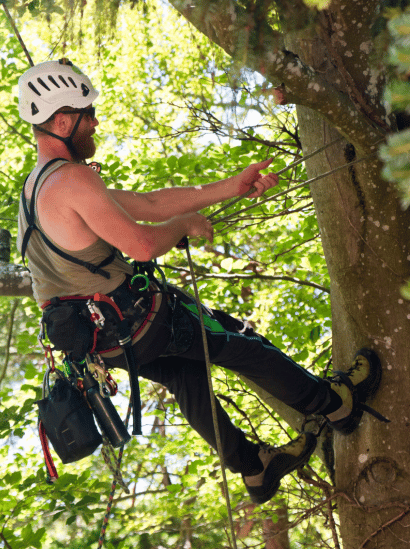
pixel 67 329
pixel 68 421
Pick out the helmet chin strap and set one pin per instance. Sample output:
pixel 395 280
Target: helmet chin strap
pixel 68 141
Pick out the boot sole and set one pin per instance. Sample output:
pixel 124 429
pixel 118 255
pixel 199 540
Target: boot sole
pixel 302 459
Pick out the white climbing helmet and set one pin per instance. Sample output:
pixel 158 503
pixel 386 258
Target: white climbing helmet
pixel 48 86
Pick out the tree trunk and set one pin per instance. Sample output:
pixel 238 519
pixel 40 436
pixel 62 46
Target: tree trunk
pixel 327 71
pixel 365 238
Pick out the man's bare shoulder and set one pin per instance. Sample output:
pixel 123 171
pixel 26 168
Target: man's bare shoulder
pixel 78 173
pixel 71 180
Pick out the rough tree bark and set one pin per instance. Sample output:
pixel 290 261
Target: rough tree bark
pixel 328 74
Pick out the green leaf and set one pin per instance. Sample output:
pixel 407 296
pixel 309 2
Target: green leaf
pixel 227 264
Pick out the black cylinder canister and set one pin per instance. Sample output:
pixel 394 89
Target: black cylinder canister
pixel 105 412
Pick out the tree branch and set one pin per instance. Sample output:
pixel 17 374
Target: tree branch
pixel 253 276
pixel 15 280
pixel 228 25
pixel 12 129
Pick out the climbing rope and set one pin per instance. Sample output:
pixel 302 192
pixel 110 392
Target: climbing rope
pixel 291 189
pixel 212 395
pixel 280 172
pixel 116 480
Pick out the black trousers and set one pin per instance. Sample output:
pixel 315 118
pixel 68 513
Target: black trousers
pixel 232 345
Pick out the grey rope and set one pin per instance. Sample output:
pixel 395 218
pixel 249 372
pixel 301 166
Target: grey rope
pixel 287 191
pixel 212 397
pixel 293 165
pixel 114 484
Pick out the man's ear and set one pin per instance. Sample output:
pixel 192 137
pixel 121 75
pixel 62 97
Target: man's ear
pixel 62 124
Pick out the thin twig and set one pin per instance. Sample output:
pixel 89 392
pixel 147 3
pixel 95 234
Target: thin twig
pixel 243 414
pixel 385 525
pixel 332 523
pixel 253 276
pixel 6 543
pixel 13 130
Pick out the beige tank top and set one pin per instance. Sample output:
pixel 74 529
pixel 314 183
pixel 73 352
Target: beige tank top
pixel 54 276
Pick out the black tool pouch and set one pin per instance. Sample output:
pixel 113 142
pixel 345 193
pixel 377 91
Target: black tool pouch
pixel 68 330
pixel 69 422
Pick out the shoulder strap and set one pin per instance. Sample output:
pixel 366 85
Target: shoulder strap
pixel 30 217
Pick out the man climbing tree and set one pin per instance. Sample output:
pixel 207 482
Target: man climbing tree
pixel 70 228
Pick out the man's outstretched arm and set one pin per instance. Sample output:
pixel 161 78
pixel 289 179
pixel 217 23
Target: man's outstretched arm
pixel 164 204
pixel 93 210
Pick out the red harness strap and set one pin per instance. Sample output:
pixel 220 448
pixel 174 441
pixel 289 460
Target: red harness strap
pixel 109 301
pixel 52 474
pixel 68 298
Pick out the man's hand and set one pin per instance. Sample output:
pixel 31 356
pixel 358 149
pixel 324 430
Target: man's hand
pixel 198 225
pixel 250 177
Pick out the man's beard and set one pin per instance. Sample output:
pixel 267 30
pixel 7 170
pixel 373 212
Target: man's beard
pixel 84 146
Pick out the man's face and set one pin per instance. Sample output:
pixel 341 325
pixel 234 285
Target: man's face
pixel 83 139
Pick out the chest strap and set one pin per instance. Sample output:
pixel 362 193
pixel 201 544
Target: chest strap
pixel 30 218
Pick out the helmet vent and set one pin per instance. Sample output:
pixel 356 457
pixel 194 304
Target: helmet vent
pixel 63 81
pixel 40 81
pixel 72 81
pixel 54 82
pixel 46 88
pixel 86 90
pixel 32 87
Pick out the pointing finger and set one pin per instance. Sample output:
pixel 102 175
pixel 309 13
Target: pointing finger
pixel 264 164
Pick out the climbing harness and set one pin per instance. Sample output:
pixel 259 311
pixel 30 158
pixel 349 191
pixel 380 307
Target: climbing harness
pixel 30 218
pixel 70 330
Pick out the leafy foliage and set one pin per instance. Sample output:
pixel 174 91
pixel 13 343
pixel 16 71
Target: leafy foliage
pixel 168 116
pixel 397 167
pixel 395 153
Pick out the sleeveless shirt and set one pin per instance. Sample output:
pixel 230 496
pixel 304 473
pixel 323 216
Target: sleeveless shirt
pixel 54 276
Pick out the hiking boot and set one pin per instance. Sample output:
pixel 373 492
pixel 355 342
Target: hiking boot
pixel 278 462
pixel 355 387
